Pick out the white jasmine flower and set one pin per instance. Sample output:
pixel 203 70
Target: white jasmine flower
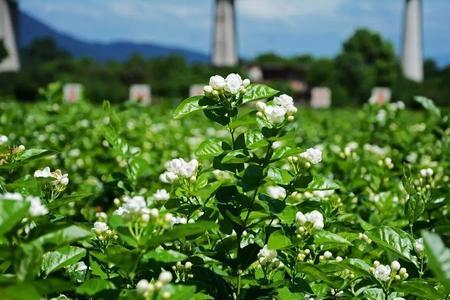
pixel 44 173
pixel 300 218
pixel 233 83
pixel 327 254
pixel 395 266
pixel 286 102
pixel 382 272
pixel 207 89
pixel 134 208
pixel 3 139
pixel 266 256
pixel 100 227
pixel 275 114
pixel 276 192
pixel 316 218
pixel 428 172
pixel 161 195
pixel 165 277
pixel 313 155
pixel 62 179
pixel 142 286
pixel 419 246
pixel 260 106
pixel 36 208
pixel 217 82
pixel 168 177
pixel 178 167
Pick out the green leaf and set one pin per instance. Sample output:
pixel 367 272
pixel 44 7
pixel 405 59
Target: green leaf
pixel 278 240
pixel 428 104
pixel 438 258
pixel 30 261
pixel 235 156
pixel 68 199
pixel 394 240
pixel 258 92
pixel 279 176
pixel 210 147
pixel 182 292
pixel 63 236
pixel 93 286
pixel 20 291
pixel 330 240
pixel 165 256
pixel 182 231
pixel 254 139
pixel 61 258
pixel 321 183
pixel 414 207
pixel 419 288
pixel 188 106
pixel 11 213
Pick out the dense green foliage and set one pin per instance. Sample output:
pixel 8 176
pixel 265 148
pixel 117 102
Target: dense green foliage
pixel 278 205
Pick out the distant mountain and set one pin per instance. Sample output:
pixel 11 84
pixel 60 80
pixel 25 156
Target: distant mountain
pixel 31 28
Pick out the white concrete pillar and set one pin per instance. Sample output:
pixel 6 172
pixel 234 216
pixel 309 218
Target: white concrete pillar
pixel 7 34
pixel 224 45
pixel 412 60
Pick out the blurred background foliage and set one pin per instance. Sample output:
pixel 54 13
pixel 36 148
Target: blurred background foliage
pixel 366 60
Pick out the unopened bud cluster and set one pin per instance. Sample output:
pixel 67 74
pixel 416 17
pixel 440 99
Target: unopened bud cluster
pixel 183 271
pixel 281 109
pixel 385 273
pixel 268 261
pixel 305 159
pixel 364 237
pixel 153 289
pixel 302 254
pixel 103 232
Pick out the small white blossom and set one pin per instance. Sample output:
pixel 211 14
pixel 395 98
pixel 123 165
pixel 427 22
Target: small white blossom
pixel 165 277
pixel 44 173
pixel 286 102
pixel 395 266
pixel 233 83
pixel 382 272
pixel 428 172
pixel 266 256
pixel 300 218
pixel 168 177
pixel 12 196
pixel 275 114
pixel 419 246
pixel 100 227
pixel 142 286
pixel 316 218
pixel 36 208
pixel 276 192
pixel 217 82
pixel 161 195
pixel 3 139
pixel 313 155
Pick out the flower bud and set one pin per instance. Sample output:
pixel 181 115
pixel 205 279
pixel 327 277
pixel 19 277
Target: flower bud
pixel 188 265
pixel 207 89
pixel 395 266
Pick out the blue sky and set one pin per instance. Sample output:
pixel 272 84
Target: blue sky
pixel 287 27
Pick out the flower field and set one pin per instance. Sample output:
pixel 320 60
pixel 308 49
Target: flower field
pixel 237 194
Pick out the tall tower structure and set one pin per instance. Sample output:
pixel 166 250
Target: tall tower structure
pixel 8 21
pixel 224 45
pixel 412 60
